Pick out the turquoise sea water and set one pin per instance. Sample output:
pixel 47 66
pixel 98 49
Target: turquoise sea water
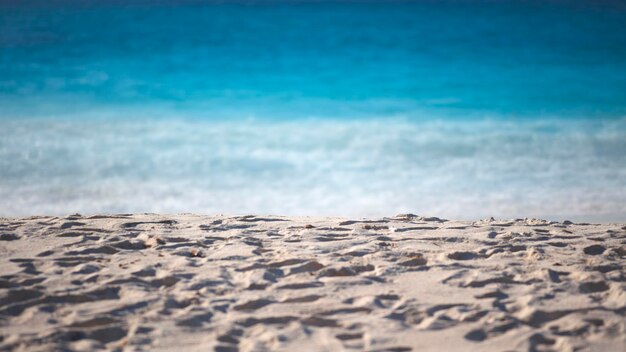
pixel 459 109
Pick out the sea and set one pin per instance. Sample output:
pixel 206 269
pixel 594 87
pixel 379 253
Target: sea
pixel 460 109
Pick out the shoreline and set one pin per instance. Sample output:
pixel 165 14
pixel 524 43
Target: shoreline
pixel 403 283
pixel 373 168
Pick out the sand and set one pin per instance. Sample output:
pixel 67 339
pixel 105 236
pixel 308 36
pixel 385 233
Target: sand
pixel 248 283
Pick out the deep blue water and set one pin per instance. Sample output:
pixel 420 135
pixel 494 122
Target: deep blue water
pixel 454 108
pixel 322 59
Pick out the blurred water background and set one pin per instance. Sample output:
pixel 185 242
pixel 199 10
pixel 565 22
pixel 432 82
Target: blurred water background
pixel 460 109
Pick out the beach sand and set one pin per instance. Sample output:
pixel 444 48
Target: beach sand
pixel 251 283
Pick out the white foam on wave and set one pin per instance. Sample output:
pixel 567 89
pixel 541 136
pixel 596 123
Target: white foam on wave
pixel 555 169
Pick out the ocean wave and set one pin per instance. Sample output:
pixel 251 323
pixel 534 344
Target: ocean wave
pixel 463 169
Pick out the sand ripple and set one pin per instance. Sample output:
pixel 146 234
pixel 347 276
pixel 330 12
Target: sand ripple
pixel 407 283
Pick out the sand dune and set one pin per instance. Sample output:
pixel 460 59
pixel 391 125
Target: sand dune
pixel 248 283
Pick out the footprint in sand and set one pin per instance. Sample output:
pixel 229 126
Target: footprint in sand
pixel 463 255
pixel 593 287
pixel 346 270
pixel 595 249
pixel 415 259
pixel 9 237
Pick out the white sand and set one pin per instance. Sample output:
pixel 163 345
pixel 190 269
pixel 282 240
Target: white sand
pixel 186 282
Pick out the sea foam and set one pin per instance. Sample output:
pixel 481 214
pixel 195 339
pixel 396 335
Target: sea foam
pixel 465 169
